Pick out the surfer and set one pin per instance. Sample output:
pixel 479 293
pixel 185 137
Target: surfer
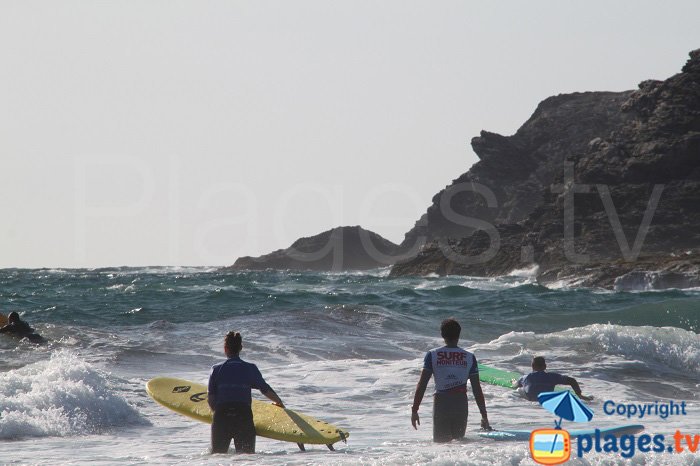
pixel 539 381
pixel 19 328
pixel 229 398
pixel 451 366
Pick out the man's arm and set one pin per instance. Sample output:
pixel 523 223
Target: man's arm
pixel 577 389
pixel 211 390
pixel 418 397
pixel 480 401
pixel 517 383
pixel 273 397
pixel 265 389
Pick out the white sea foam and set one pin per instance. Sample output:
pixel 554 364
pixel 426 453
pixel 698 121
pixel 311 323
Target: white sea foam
pixel 118 286
pixel 498 283
pixel 528 272
pixel 430 283
pixel 377 272
pixel 62 396
pixel 674 347
pixel 566 283
pixel 514 280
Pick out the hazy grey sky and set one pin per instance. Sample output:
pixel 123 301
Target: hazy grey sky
pixel 167 132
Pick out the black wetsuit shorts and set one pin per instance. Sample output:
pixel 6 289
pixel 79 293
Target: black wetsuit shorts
pixel 450 412
pixel 233 421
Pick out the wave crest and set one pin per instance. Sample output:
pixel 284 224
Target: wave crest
pixel 63 396
pixel 674 347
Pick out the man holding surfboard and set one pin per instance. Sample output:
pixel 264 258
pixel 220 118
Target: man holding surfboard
pixel 229 398
pixel 451 366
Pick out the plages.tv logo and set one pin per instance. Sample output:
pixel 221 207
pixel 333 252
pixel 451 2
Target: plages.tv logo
pixel 550 446
pixel 553 446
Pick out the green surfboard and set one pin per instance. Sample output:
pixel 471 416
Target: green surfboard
pixel 493 376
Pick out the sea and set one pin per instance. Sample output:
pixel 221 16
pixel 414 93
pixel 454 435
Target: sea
pixel 344 347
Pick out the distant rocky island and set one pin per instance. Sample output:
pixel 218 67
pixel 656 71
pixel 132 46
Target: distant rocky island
pixel 336 250
pixel 595 189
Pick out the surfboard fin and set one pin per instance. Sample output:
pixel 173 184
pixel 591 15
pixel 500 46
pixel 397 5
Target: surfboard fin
pixel 330 446
pixel 301 446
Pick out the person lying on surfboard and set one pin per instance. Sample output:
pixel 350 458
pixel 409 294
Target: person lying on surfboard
pixel 19 328
pixel 16 326
pixel 451 366
pixel 229 398
pixel 539 381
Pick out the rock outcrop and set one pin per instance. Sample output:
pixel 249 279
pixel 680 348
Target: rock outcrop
pixel 339 249
pixel 596 188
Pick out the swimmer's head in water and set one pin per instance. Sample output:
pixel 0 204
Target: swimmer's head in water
pixel 13 317
pixel 233 343
pixel 538 363
pixel 450 329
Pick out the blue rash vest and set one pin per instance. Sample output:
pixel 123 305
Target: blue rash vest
pixel 537 382
pixel 231 381
pixel 451 367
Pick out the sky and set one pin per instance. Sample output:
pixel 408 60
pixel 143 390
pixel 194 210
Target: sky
pixel 191 133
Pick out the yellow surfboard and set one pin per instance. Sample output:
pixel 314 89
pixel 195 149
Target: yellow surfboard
pixel 190 399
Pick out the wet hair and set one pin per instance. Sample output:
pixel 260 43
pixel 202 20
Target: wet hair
pixel 538 363
pixel 233 342
pixel 450 329
pixel 13 317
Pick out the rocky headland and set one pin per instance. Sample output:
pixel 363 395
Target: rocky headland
pixel 595 189
pixel 338 249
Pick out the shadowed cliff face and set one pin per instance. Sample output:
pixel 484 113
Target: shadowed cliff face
pixel 594 186
pixel 518 169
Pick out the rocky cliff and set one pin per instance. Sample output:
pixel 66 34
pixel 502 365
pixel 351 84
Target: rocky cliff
pixel 596 188
pixel 339 249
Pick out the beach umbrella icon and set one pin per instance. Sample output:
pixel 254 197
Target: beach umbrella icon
pixel 566 405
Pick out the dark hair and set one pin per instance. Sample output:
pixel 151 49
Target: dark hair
pixel 233 342
pixel 450 329
pixel 538 362
pixel 13 317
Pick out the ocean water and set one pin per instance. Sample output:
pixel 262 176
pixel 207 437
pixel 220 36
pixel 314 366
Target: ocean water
pixel 346 348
